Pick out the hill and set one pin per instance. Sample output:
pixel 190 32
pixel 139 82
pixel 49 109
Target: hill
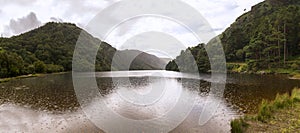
pixel 265 38
pixel 141 61
pixel 50 49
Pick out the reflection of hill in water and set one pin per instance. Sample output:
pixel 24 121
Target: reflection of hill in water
pixel 55 95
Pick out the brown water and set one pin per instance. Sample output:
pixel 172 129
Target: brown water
pixel 49 103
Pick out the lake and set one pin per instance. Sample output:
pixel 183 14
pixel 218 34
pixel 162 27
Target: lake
pixel 49 103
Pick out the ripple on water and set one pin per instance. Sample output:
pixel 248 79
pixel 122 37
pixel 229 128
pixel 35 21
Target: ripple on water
pixel 15 118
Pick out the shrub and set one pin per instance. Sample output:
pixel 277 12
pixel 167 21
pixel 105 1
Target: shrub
pixel 253 65
pixel 265 111
pixel 238 125
pixel 28 69
pixel 281 101
pixel 295 97
pixel 39 66
pixel 243 68
pixel 50 68
pixel 237 67
pixel 295 66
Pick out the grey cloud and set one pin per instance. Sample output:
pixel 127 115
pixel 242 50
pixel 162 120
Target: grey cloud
pixel 22 24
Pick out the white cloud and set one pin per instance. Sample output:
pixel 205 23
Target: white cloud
pixel 22 25
pixel 219 13
pixel 75 11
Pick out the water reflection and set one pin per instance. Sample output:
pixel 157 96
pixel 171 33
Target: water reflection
pixel 52 93
pixel 49 104
pixel 245 92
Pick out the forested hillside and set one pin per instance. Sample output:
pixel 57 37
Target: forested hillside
pixel 50 49
pixel 142 61
pixel 185 61
pixel 266 38
pixel 46 49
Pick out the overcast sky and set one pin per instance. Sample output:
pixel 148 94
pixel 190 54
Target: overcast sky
pixel 18 16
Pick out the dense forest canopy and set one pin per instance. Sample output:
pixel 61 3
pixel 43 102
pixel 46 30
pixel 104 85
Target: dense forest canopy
pixel 266 37
pixel 46 49
pixel 50 49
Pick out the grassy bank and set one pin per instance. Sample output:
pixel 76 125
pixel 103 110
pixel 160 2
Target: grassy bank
pixel 295 76
pixel 279 115
pixel 243 68
pixel 2 80
pixel 237 67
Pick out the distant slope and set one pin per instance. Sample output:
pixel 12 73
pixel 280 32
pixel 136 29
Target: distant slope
pixel 166 60
pixel 267 37
pixel 137 60
pixel 50 49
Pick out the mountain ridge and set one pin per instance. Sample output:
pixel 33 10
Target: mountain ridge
pixel 265 38
pixel 50 48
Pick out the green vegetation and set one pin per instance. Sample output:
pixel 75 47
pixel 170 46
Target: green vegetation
pixel 279 115
pixel 266 108
pixel 243 68
pixel 2 80
pixel 11 64
pixel 186 58
pixel 32 53
pixel 50 49
pixel 238 126
pixel 266 39
pixel 47 49
pixel 237 67
pixel 296 76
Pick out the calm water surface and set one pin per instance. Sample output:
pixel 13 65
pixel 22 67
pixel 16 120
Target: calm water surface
pixel 49 103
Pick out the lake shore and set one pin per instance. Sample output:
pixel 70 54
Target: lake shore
pixel 241 68
pixel 280 115
pixel 3 80
pixel 295 76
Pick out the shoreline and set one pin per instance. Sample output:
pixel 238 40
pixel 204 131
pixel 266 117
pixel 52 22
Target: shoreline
pixel 279 115
pixel 288 75
pixel 3 80
pixel 293 76
pixel 241 68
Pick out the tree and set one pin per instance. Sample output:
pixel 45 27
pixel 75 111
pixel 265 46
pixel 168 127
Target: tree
pixel 10 64
pixel 39 67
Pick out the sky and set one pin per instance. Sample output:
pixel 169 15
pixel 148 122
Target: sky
pixel 19 16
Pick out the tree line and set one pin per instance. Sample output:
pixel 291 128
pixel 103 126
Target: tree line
pixel 267 37
pixel 47 49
